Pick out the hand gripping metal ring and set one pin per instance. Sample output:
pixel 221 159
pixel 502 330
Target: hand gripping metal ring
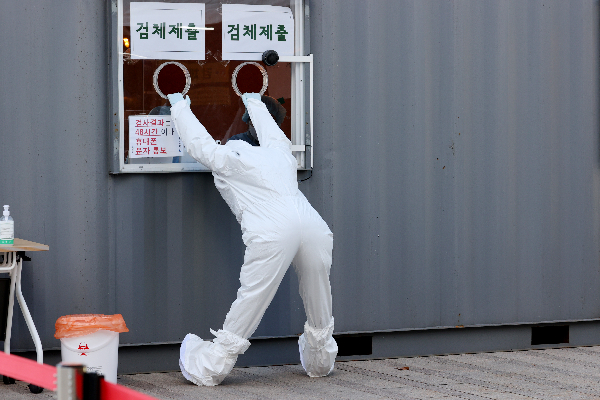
pixel 262 71
pixel 188 78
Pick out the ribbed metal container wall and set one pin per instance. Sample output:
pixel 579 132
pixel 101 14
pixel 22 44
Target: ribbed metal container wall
pixel 456 161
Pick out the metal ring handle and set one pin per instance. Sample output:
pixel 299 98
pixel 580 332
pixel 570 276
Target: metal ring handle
pixel 262 71
pixel 188 78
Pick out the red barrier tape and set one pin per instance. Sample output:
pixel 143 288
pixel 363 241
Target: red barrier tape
pixel 110 391
pixel 29 371
pixel 44 375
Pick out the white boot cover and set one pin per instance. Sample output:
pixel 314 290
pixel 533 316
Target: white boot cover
pixel 208 363
pixel 317 350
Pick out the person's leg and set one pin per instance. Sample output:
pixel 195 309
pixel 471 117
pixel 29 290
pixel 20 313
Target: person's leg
pixel 313 261
pixel 312 264
pixel 265 263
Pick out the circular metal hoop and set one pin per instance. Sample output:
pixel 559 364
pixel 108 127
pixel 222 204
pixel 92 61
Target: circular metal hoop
pixel 188 78
pixel 262 71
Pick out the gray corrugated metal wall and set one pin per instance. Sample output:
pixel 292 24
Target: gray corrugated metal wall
pixel 54 154
pixel 458 141
pixel 456 161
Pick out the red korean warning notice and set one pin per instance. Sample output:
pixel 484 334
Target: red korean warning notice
pixel 153 136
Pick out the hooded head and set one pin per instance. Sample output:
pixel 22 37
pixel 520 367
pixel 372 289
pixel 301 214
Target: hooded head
pixel 275 109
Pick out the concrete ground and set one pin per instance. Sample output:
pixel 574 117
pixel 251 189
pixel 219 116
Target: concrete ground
pixel 567 373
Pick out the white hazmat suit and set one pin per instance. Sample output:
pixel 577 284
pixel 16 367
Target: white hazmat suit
pixel 279 226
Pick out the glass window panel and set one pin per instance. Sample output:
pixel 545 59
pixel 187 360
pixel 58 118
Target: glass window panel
pixel 213 100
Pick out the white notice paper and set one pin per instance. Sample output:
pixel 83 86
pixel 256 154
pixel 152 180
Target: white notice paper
pixel 153 136
pixel 167 31
pixel 248 31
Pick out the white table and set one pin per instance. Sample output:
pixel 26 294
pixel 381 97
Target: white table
pixel 13 267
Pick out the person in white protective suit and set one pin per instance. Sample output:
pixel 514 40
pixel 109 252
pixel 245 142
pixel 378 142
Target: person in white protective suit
pixel 279 226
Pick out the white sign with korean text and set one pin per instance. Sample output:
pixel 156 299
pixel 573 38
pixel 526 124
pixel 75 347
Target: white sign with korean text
pixel 250 30
pixel 167 31
pixel 153 136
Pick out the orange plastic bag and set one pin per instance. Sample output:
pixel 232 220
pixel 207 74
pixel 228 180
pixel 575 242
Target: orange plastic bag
pixel 84 324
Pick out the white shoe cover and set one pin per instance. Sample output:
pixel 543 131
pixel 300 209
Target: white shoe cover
pixel 317 350
pixel 208 363
pixel 182 354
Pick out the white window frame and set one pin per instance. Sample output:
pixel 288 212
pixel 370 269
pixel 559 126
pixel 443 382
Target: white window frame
pixel 301 139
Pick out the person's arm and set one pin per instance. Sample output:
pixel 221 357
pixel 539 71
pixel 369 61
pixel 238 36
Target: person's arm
pixel 200 145
pixel 269 134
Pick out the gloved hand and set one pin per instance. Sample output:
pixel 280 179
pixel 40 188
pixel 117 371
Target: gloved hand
pixel 245 98
pixel 176 97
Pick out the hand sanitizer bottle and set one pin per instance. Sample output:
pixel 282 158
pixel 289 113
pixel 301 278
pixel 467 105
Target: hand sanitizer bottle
pixel 7 228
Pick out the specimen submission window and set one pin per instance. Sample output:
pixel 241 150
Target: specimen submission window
pixel 197 47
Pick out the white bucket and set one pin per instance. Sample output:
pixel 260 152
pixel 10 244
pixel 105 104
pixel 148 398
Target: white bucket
pixel 98 351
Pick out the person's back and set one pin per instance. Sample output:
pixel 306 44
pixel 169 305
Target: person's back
pixel 256 175
pixel 245 175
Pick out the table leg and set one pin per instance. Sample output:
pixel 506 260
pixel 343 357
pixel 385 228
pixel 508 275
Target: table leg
pixel 28 319
pixel 11 299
